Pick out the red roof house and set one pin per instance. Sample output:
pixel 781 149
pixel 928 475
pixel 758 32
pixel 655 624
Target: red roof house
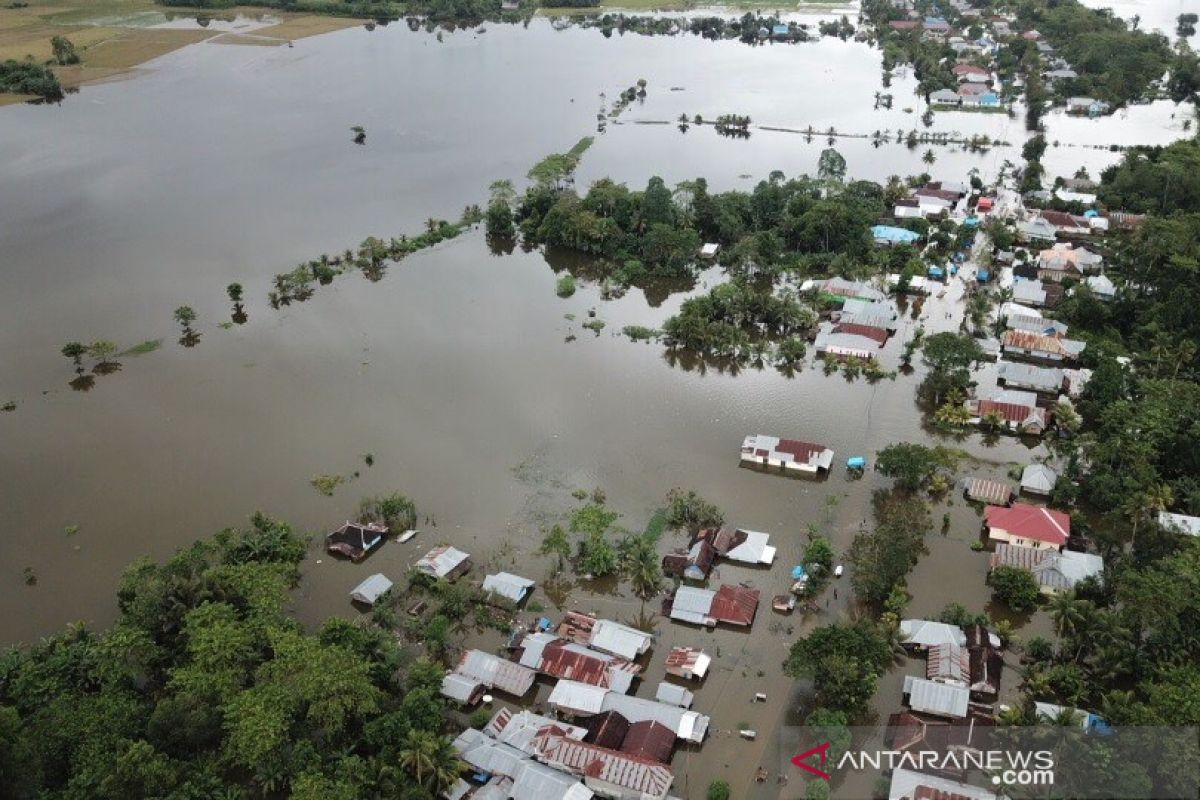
pixel 878 335
pixel 735 605
pixel 1028 526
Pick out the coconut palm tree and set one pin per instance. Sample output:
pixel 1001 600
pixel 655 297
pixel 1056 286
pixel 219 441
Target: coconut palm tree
pixel 430 760
pixel 1067 612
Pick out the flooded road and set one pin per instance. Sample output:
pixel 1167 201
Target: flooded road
pixel 454 372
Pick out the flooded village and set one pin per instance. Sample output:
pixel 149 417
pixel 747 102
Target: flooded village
pixel 627 493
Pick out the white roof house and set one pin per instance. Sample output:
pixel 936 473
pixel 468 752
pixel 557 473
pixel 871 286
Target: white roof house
pixel 444 561
pixel 754 549
pixel 709 250
pixel 1102 286
pixel 1028 376
pixel 620 640
pixel 688 662
pixel 574 697
pixel 674 695
pixel 924 633
pixel 692 604
pixel 1038 479
pixel 511 587
pixel 939 699
pixel 829 342
pixel 908 785
pixel 371 589
pixel 1182 523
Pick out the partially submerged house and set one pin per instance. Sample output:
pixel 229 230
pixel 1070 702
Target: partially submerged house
pixel 461 689
pixel 512 588
pixel 688 662
pixel 948 663
pixel 371 589
pixel 1028 526
pixel 495 672
pixel 1016 411
pixel 1038 479
pixel 1012 375
pixel 1038 346
pixel 835 343
pixel 939 699
pixel 558 658
pixel 355 540
pixel 732 605
pixel 604 635
pixel 1055 572
pixel 694 563
pixel 444 562
pixel 1064 261
pixel 1043 326
pixel 741 545
pixel 791 454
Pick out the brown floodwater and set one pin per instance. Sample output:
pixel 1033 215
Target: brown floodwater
pixel 459 371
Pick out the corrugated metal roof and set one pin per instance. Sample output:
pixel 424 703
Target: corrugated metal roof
pixel 560 659
pixel 496 672
pixel 1038 343
pixel 1038 478
pixel 687 662
pixel 754 548
pixel 674 695
pixel 615 768
pixel 650 740
pixel 621 640
pixel 578 698
pixel 986 490
pixel 1030 522
pixel 1045 379
pixel 371 589
pixel 441 561
pixel 459 687
pixel 509 586
pixel 948 662
pixel 940 699
pixel 925 633
pixel 1181 523
pixel 735 605
pixel 686 724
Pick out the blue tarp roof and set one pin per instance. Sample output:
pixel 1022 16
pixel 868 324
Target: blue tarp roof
pixel 936 271
pixel 971 221
pixel 1091 212
pixel 983 275
pixel 893 234
pixel 780 29
pixel 856 462
pixel 798 572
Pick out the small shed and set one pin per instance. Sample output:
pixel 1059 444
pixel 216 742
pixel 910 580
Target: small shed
pixel 674 695
pixel 371 589
pixel 688 662
pixel 1038 479
pixel 710 250
pixel 511 587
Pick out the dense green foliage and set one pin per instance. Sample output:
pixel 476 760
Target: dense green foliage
pixel 843 661
pixel 1155 180
pixel 205 687
pixel 25 77
pixel 915 466
pixel 1114 62
pixel 1016 587
pixel 883 557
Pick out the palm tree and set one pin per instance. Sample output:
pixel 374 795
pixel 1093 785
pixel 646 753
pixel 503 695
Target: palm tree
pixel 430 760
pixel 1067 612
pixel 642 567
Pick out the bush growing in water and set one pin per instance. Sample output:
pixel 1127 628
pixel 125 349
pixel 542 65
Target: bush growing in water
pixel 565 286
